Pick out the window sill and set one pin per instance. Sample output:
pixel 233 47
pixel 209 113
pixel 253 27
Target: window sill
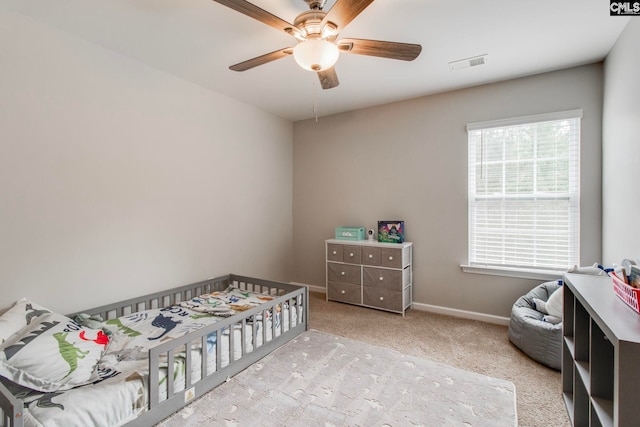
pixel 521 273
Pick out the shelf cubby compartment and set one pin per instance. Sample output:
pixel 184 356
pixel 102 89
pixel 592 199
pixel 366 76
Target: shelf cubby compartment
pixel 581 333
pixel 581 402
pixel 602 375
pixel 568 310
pixel 601 412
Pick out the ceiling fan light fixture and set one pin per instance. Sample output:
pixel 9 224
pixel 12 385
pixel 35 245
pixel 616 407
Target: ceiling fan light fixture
pixel 316 54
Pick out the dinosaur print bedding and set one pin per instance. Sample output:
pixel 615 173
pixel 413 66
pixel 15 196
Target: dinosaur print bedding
pixel 109 361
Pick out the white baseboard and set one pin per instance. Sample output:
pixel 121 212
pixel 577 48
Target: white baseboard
pixel 472 315
pixel 320 289
pixel 312 288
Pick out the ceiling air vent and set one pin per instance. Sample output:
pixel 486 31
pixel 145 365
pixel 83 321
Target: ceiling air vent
pixel 468 62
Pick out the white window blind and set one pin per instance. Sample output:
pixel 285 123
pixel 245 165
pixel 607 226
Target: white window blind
pixel 524 192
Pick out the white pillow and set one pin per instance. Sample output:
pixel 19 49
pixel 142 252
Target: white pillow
pixel 52 353
pixel 552 307
pixel 18 316
pixel 554 303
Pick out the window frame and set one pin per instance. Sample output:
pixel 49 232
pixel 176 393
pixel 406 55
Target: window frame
pixel 525 271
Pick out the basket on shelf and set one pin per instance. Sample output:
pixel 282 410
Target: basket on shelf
pixel 627 293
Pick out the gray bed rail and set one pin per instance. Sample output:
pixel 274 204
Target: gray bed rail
pixel 294 297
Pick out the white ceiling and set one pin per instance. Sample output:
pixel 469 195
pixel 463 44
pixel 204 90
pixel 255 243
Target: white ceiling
pixel 198 40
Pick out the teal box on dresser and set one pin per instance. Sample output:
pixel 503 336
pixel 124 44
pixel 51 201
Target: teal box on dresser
pixel 350 233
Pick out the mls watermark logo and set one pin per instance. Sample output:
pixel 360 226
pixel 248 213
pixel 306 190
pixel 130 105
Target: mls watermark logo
pixel 624 8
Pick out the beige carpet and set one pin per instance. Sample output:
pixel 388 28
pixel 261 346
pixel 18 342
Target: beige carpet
pixel 466 344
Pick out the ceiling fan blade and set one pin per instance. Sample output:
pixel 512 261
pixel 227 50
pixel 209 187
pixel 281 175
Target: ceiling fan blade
pixel 263 59
pixel 328 78
pixel 345 11
pixel 392 50
pixel 257 13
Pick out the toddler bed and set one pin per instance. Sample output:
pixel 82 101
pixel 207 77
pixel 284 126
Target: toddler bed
pixel 135 362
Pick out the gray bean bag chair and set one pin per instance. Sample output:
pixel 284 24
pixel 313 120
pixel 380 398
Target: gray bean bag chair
pixel 540 340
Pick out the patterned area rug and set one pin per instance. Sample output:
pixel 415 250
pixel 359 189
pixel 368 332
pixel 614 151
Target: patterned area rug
pixel 320 379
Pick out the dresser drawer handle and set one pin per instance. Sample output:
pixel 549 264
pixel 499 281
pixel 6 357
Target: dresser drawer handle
pixel 343 273
pixel 390 258
pixel 381 278
pixel 381 298
pixel 335 252
pixel 370 256
pixel 343 292
pixel 351 254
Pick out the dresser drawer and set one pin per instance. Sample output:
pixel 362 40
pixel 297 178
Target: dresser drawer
pixel 334 252
pixel 344 292
pixel 383 278
pixel 351 254
pixel 382 298
pixel 344 273
pixel 371 256
pixel 391 257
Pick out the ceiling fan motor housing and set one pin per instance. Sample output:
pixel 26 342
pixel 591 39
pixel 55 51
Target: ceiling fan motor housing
pixel 310 24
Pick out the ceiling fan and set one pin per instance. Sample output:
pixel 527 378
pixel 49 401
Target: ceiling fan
pixel 316 32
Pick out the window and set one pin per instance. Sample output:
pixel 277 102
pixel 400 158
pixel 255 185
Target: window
pixel 524 192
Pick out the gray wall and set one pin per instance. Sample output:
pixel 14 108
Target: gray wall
pixel 621 148
pixel 117 180
pixel 408 160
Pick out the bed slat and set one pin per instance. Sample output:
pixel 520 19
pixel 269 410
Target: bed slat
pixel 187 364
pixel 204 368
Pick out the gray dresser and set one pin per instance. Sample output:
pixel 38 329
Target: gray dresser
pixel 371 274
pixel 600 354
